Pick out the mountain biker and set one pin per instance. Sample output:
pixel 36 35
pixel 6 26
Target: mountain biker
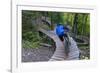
pixel 60 31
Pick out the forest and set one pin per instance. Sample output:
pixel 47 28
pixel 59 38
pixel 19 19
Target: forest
pixel 79 24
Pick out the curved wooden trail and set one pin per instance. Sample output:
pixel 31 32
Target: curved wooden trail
pixel 59 53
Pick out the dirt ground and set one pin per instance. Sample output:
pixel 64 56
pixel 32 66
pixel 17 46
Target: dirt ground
pixel 37 54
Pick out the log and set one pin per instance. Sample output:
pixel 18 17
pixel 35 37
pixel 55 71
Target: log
pixel 44 44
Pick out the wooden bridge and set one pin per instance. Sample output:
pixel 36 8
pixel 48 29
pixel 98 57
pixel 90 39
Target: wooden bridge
pixel 60 53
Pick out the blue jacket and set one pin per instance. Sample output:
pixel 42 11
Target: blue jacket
pixel 60 30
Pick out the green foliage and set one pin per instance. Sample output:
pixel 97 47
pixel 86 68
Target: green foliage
pixel 30 44
pixel 30 36
pixel 30 40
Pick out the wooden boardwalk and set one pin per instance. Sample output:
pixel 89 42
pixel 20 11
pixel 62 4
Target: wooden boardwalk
pixel 59 53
